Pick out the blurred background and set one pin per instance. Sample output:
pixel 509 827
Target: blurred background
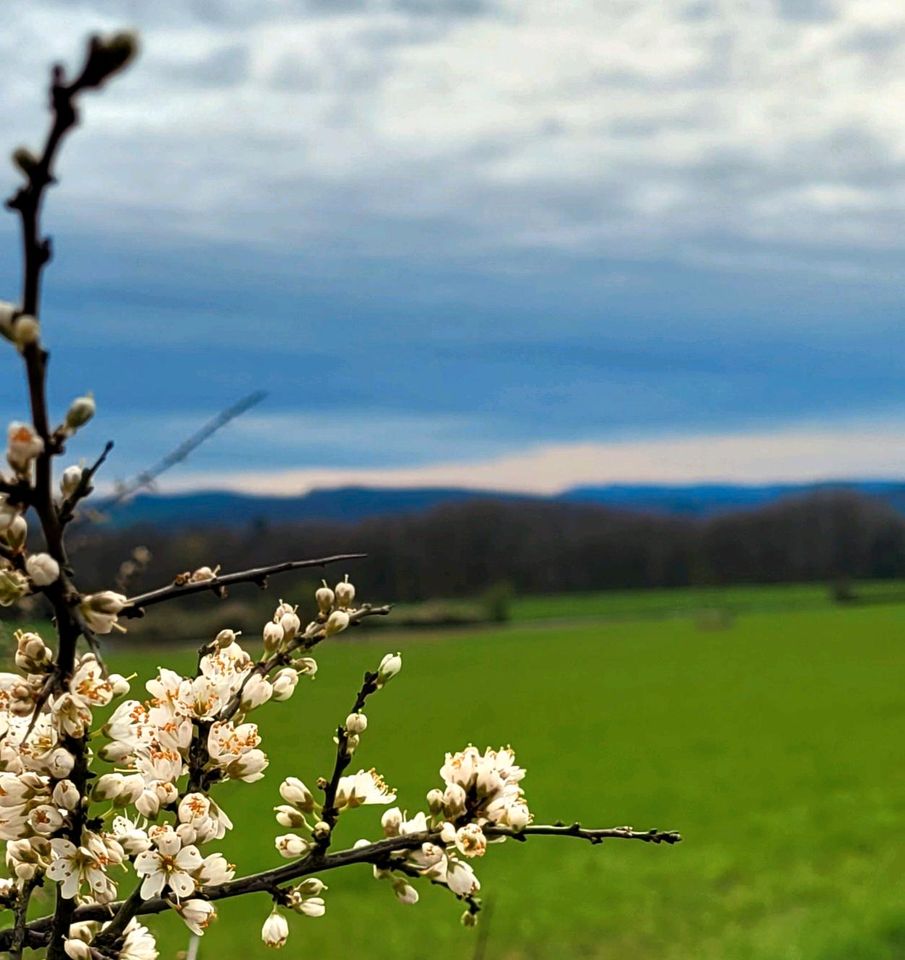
pixel 585 322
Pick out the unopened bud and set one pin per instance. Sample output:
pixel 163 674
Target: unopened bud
pixel 293 791
pixel 391 821
pixel 324 598
pixel 290 624
pixel 42 568
pixel 80 411
pixel 336 623
pixel 344 593
pixel 25 160
pixel 290 845
pixel 26 330
pixel 17 533
pixel 287 816
pixel 66 795
pixel 273 636
pixel 225 637
pixel 389 667
pixel 70 480
pixel 356 723
pixel 311 887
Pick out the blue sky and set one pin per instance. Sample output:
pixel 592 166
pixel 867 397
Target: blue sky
pixel 513 243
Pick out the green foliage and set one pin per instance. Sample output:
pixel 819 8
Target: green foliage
pixel 773 744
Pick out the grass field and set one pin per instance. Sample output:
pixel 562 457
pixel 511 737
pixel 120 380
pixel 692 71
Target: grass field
pixel 775 745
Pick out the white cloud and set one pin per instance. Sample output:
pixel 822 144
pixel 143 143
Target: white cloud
pixel 630 128
pixel 802 454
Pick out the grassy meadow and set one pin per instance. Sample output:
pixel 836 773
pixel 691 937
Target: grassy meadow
pixel 773 739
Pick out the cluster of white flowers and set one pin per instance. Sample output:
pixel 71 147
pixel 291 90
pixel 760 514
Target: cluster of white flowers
pixel 480 789
pixel 168 749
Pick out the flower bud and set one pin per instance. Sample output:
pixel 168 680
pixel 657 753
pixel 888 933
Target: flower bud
pixel 405 892
pixel 23 445
pixel 275 931
pixel 290 625
pixel 389 667
pixel 518 816
pixel 43 569
pixel 454 799
pixel 198 914
pixel 321 830
pixel 26 330
pixel 25 160
pixel 100 610
pixel 225 637
pixel 310 887
pixel 60 763
pixel 80 411
pixel 256 691
pixel 70 480
pixel 293 791
pixel 391 821
pixel 435 801
pixel 119 684
pixel 17 533
pixel 290 817
pixel 273 636
pixel 202 574
pixel 66 795
pixel 336 623
pixel 291 845
pixel 306 666
pixel 284 683
pixel 76 949
pixel 356 723
pixel 344 593
pixel 324 598
pixel 108 786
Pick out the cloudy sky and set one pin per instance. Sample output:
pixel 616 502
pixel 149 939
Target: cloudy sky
pixel 513 242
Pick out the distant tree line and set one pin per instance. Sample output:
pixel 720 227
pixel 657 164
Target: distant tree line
pixel 463 549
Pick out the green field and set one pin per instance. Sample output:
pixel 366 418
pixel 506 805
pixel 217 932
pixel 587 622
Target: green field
pixel 776 744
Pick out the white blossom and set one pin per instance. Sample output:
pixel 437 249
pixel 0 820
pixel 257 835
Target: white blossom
pixel 390 665
pixel 275 931
pixel 291 846
pixel 23 444
pixel 364 787
pixel 100 610
pixel 42 568
pixel 197 914
pixel 170 865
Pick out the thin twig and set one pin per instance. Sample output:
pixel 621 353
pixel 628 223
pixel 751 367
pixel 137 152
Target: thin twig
pixel 259 575
pixel 84 488
pixel 374 853
pixel 19 929
pixel 330 812
pixel 147 477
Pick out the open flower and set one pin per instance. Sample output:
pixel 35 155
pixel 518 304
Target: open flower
pixel 170 865
pixel 74 866
pixel 364 787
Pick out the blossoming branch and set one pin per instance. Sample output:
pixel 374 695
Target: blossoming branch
pixel 119 818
